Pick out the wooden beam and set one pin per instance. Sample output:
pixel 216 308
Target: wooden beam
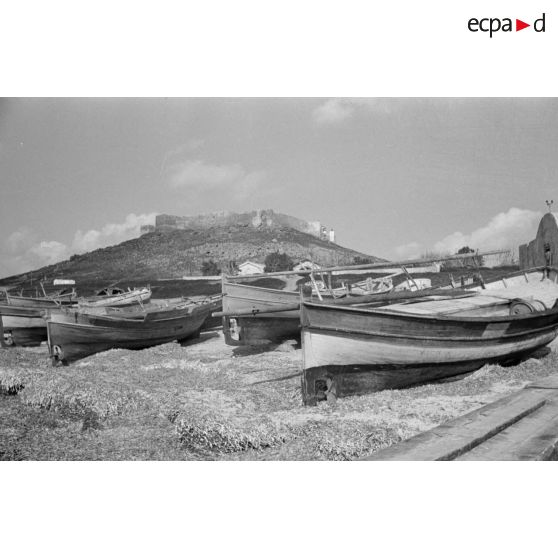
pixel 380 298
pixel 348 268
pixel 534 438
pixel 461 435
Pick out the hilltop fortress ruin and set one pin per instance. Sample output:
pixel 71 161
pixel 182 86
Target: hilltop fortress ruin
pixel 258 219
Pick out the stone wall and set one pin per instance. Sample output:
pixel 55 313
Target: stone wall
pixel 260 218
pixel 533 253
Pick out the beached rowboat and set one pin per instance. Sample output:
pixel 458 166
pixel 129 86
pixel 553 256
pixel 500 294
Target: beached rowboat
pixel 254 315
pixel 356 349
pixel 23 326
pixel 213 302
pixel 116 297
pixel 76 334
pixel 42 301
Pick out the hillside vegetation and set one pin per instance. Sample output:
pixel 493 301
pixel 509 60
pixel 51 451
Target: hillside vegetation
pixel 163 255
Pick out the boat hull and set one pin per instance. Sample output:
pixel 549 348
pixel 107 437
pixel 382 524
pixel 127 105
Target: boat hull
pixel 74 336
pixel 348 351
pixel 268 322
pixel 22 326
pixel 239 298
pixel 260 330
pixel 40 302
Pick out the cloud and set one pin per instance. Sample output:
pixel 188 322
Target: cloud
pixel 20 240
pixel 334 111
pixel 22 250
pixel 505 230
pixel 49 252
pixel 195 174
pixel 112 233
pixel 180 152
pixel 337 110
pixel 409 251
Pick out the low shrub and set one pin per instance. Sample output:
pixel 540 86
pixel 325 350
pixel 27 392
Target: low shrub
pixel 209 433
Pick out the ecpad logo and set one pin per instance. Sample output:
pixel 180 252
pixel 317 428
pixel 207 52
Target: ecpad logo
pixel 493 25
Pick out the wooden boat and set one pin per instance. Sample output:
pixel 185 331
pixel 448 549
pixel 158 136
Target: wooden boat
pixel 76 334
pixel 116 297
pixel 51 301
pixel 214 303
pixel 255 315
pixel 356 349
pixel 370 285
pixel 23 326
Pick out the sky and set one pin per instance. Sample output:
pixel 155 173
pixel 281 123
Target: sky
pixel 395 177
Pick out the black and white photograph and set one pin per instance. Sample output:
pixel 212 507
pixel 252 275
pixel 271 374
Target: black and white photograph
pixel 278 279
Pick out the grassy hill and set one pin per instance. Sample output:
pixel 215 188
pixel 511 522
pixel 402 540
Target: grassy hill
pixel 162 255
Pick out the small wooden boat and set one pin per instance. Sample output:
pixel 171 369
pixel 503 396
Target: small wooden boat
pixel 76 334
pixel 255 315
pixel 23 326
pixel 116 297
pixel 356 349
pixel 370 285
pixel 49 301
pixel 213 302
pixel 23 317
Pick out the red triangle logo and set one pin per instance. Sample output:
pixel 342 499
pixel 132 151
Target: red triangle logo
pixel 519 25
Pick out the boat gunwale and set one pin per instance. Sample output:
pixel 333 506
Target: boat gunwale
pixel 266 289
pixel 260 299
pixel 192 311
pixel 107 329
pixel 432 317
pixel 438 338
pixel 23 311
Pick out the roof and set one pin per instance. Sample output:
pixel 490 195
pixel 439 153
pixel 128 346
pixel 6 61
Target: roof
pixel 247 262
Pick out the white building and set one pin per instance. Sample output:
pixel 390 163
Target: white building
pixel 249 268
pixel 64 282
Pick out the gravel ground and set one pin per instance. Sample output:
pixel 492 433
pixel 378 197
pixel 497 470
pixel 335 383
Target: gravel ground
pixel 204 400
